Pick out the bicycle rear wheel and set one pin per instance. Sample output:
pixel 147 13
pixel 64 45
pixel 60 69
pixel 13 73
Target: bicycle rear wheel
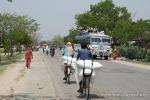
pixel 88 87
pixel 68 75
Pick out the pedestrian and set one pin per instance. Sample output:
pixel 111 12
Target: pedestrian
pixel 84 54
pixel 28 56
pixel 115 54
pixel 67 51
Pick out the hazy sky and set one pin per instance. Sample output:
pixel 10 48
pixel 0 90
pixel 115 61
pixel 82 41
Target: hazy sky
pixel 57 16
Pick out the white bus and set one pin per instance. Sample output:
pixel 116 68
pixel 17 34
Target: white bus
pixel 99 43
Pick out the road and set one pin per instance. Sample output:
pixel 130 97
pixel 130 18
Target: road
pixel 44 81
pixel 114 82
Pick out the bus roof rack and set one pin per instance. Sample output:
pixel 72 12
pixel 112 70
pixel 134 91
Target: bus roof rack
pixel 101 32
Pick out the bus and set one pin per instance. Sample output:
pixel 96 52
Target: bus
pixel 99 43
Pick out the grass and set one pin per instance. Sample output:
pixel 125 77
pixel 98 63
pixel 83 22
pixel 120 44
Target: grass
pixel 1 50
pixel 3 68
pixel 5 63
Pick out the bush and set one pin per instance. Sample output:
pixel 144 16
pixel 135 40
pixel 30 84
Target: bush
pixel 147 57
pixel 132 52
pixel 140 54
pixel 122 50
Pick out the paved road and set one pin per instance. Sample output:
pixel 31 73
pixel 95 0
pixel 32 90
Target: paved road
pixel 114 82
pixel 123 82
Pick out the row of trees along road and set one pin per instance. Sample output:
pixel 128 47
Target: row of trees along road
pixel 57 40
pixel 115 21
pixel 16 30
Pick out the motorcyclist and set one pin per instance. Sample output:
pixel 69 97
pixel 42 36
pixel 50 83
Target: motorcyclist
pixel 52 51
pixel 47 50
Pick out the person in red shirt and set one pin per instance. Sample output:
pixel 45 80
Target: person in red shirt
pixel 28 56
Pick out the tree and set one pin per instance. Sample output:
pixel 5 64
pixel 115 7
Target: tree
pixel 36 37
pixel 16 29
pixel 105 16
pixel 9 0
pixel 121 32
pixel 71 37
pixel 85 20
pixel 141 32
pixel 57 40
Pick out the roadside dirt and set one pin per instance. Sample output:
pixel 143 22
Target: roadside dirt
pixel 10 77
pixel 19 83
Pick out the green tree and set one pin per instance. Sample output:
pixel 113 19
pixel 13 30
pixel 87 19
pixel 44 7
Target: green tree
pixel 85 20
pixel 17 29
pixel 121 32
pixel 142 32
pixel 105 16
pixel 10 0
pixel 57 40
pixel 71 37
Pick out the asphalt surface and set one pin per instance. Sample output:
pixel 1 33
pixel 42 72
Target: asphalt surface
pixel 114 82
pixel 44 81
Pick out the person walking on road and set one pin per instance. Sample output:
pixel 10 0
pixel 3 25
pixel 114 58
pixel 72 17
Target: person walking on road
pixel 28 56
pixel 115 54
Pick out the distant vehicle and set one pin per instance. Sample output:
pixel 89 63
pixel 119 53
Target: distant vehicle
pixel 37 47
pixel 99 43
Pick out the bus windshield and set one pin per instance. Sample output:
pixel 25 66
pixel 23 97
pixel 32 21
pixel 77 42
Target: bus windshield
pixel 106 40
pixel 95 40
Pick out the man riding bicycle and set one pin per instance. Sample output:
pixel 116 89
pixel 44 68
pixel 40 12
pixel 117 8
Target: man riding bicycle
pixel 84 54
pixel 67 51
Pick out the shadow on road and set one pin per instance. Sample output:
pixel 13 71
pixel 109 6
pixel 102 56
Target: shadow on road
pixel 25 97
pixel 71 82
pixel 92 96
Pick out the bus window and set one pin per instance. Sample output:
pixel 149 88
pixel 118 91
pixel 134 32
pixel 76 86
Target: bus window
pixel 106 40
pixel 95 40
pixel 88 40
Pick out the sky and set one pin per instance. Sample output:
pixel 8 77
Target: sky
pixel 58 16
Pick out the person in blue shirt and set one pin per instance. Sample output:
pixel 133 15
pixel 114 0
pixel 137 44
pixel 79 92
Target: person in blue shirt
pixel 67 51
pixel 84 54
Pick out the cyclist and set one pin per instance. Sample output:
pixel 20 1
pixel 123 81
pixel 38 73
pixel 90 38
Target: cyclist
pixel 84 54
pixel 67 51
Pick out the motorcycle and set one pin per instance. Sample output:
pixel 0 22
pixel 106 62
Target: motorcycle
pixel 52 52
pixel 46 52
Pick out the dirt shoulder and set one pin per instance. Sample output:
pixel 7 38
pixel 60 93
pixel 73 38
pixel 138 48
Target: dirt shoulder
pixel 9 77
pixel 31 84
pixel 137 65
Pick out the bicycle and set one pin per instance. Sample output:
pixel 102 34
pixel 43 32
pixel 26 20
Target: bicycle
pixel 86 79
pixel 69 71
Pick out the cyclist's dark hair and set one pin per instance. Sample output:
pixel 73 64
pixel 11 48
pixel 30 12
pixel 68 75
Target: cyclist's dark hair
pixel 83 45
